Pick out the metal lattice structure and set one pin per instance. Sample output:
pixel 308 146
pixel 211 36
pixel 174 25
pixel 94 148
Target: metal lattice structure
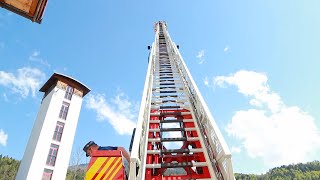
pixel 176 136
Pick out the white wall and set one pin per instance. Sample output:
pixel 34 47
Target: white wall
pixel 65 148
pixel 36 153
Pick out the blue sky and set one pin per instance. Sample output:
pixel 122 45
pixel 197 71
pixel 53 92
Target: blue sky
pixel 255 62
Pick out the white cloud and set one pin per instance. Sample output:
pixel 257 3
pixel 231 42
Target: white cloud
pixel 206 81
pixel 26 80
pixel 119 112
pixel 253 85
pixel 226 49
pixel 3 138
pixel 35 56
pixel 200 56
pixel 276 133
pixel 235 150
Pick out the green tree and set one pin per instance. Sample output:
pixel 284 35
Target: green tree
pixel 8 168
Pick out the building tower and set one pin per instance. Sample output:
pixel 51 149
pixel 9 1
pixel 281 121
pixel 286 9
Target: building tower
pixel 49 147
pixel 176 136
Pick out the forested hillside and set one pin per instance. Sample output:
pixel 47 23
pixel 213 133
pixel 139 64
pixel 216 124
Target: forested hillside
pixel 8 167
pixel 301 171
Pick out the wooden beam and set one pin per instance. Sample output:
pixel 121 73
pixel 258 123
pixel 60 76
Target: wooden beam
pixel 23 5
pixel 33 7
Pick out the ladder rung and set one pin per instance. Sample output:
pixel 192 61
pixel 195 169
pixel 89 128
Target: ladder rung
pixel 170 113
pixel 166 77
pixel 164 69
pixel 176 91
pixel 167 87
pixel 169 151
pixel 168 80
pixel 167 91
pixel 182 96
pixel 167 96
pixel 166 84
pixel 171 121
pixel 160 87
pixel 183 164
pixel 175 101
pixel 169 101
pixel 184 155
pixel 157 68
pixel 171 129
pixel 162 75
pixel 158 81
pixel 169 107
pixel 166 129
pixel 174 165
pixel 166 72
pixel 173 139
pixel 157 103
pixel 157 107
pixel 167 113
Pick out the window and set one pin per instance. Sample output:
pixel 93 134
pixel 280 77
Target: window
pixel 64 110
pixel 51 160
pixel 47 174
pixel 58 132
pixel 69 92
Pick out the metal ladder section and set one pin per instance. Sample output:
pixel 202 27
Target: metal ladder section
pixel 176 137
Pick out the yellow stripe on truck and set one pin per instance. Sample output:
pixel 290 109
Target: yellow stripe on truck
pixel 116 171
pixel 104 169
pixel 111 169
pixel 95 167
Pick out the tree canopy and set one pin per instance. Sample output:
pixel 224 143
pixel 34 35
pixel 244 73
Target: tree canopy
pixel 305 171
pixel 302 171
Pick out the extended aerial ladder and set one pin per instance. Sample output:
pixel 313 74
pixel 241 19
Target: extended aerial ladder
pixel 176 136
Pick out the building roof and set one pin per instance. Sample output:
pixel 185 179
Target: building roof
pixel 66 79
